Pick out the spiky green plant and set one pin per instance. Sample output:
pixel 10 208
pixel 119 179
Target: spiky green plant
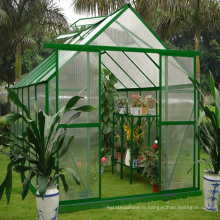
pixel 38 145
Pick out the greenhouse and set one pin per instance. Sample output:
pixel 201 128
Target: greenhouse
pixel 120 48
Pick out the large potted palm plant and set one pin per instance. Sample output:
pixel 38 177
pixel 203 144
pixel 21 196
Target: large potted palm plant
pixel 209 124
pixel 35 153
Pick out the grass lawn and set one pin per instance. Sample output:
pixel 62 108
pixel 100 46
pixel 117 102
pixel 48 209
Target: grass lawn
pixel 173 209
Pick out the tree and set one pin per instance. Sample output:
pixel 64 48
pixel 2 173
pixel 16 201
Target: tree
pixel 193 16
pixel 21 20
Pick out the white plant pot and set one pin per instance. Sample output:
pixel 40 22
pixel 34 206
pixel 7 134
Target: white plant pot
pixel 47 208
pixel 108 161
pixel 121 110
pixel 135 110
pixel 211 187
pixel 151 111
pixel 128 157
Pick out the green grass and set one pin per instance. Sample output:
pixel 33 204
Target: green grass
pixel 26 210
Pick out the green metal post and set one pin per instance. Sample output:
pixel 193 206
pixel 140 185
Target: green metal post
pixel 166 127
pixel 100 122
pixel 131 163
pixel 122 145
pixel 88 121
pixel 113 143
pixel 160 116
pixel 47 98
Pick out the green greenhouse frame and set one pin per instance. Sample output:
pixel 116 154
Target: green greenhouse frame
pixel 125 45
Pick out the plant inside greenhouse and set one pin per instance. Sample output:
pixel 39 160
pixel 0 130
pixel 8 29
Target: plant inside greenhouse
pixel 142 133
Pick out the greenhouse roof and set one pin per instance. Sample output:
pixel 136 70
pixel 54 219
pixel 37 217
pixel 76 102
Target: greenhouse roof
pixel 130 50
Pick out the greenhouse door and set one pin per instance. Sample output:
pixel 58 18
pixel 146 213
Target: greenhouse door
pixel 79 75
pixel 178 113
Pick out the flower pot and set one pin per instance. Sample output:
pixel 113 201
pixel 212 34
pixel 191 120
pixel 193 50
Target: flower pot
pixel 128 157
pixel 135 163
pixel 144 110
pixel 135 110
pixel 102 169
pixel 121 110
pixel 151 111
pixel 211 187
pixel 47 208
pixel 108 160
pixel 155 188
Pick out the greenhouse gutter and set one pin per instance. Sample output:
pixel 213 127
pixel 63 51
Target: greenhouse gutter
pixel 94 48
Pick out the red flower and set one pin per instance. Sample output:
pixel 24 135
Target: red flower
pixel 154 146
pixel 142 158
pixel 134 96
pixel 148 152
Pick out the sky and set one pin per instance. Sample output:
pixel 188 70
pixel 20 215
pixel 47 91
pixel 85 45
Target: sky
pixel 68 10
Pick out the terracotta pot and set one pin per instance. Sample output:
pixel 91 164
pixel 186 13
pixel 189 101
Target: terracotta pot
pixel 155 188
pixel 144 110
pixel 119 157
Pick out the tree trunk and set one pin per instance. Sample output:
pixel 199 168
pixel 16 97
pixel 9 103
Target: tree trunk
pixel 18 61
pixel 197 58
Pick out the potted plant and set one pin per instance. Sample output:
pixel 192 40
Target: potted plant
pixel 144 104
pixel 121 102
pixel 103 161
pixel 138 142
pixel 38 146
pixel 209 124
pixel 135 105
pixel 151 103
pixel 150 162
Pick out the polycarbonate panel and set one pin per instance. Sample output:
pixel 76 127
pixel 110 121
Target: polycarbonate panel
pixel 179 105
pixel 41 95
pixel 99 28
pixel 80 76
pixel 178 71
pixel 130 68
pixel 177 151
pixel 128 30
pixel 32 100
pixel 178 90
pixel 66 36
pixel 88 21
pixel 146 65
pixel 83 158
pixel 117 71
pixel 37 72
pixel 52 96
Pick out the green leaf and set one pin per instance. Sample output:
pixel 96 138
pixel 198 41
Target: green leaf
pixel 212 85
pixel 64 182
pixel 13 117
pixel 105 72
pixel 72 102
pixel 42 185
pixel 41 123
pixel 66 148
pixel 26 184
pixel 85 108
pixel 74 175
pixel 8 183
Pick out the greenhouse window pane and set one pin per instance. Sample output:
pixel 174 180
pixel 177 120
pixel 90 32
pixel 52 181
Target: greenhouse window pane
pixel 83 157
pixel 52 96
pixel 117 71
pixel 41 96
pixel 88 21
pixel 79 75
pixel 128 30
pixel 177 152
